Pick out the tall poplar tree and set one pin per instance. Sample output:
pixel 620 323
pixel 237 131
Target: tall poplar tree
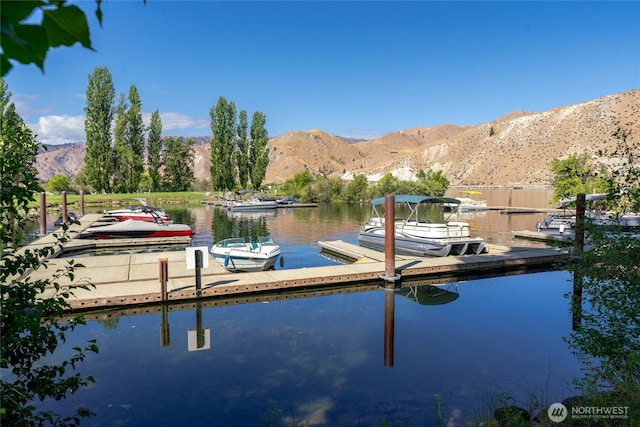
pixel 134 134
pixel 179 158
pixel 119 152
pixel 223 129
pixel 242 152
pixel 258 152
pixel 97 126
pixel 154 150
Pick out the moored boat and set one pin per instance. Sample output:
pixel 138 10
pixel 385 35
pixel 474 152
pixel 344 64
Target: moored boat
pixel 235 254
pixel 418 236
pixel 132 229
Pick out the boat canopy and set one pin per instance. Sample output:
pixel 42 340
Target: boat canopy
pixel 416 199
pixel 587 197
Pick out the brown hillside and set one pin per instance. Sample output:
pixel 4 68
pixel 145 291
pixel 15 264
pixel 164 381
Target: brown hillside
pixel 519 151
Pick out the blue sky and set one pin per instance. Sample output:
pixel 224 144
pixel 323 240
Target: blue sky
pixel 355 69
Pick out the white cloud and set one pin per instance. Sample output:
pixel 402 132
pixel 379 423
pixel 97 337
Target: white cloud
pixel 179 121
pixel 62 129
pixel 59 129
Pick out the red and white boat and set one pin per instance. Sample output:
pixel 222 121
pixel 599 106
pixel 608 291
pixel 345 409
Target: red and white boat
pixel 132 229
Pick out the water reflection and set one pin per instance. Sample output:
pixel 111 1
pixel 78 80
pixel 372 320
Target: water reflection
pixel 318 356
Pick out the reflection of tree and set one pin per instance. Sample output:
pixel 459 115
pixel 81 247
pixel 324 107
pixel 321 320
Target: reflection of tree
pixel 608 339
pixel 110 324
pixel 248 227
pixel 608 276
pixel 221 225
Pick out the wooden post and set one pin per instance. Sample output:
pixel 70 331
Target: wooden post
pixel 43 213
pixel 81 202
pixel 163 276
pixel 64 207
pixel 199 262
pixel 390 239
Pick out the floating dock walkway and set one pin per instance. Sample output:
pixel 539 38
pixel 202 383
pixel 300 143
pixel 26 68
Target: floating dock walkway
pixel 132 279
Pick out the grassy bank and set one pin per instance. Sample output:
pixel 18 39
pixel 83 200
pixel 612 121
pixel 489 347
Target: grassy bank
pixel 54 201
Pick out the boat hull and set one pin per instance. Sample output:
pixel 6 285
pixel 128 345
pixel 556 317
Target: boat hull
pixel 235 255
pixel 421 246
pixel 132 229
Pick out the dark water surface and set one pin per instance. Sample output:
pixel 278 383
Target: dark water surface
pixel 334 360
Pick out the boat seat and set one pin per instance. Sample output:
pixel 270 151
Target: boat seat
pixel 254 245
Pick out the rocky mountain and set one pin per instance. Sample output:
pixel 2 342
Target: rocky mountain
pixel 516 149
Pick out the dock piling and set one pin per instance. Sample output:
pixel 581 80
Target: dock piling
pixel 163 276
pixel 43 213
pixel 65 218
pixel 81 202
pixel 390 240
pixel 199 264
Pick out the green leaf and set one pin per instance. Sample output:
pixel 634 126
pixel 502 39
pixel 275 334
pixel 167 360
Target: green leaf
pixel 27 44
pixel 16 11
pixel 65 26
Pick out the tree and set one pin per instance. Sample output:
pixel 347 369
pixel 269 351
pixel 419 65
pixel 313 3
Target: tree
pixel 433 184
pixel 154 150
pixel 134 137
pixel 30 328
pixel 356 190
pixel 178 164
pixel 242 153
pixel 388 184
pixel 607 276
pixel 18 175
pixel 97 125
pixel 119 152
pixel 59 183
pixel 574 175
pixel 223 129
pixel 258 152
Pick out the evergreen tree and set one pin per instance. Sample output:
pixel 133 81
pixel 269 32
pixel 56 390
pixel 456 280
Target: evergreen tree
pixel 258 152
pixel 134 141
pixel 99 115
pixel 154 150
pixel 223 129
pixel 179 158
pixel 242 153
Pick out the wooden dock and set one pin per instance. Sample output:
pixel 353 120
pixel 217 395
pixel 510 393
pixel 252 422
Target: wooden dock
pixel 132 279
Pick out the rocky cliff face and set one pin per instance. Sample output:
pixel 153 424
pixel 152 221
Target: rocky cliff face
pixel 516 149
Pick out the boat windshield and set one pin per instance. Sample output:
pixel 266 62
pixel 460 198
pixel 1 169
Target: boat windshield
pixel 266 241
pixel 234 242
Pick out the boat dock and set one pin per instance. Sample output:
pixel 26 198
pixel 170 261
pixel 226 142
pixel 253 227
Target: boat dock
pixel 133 279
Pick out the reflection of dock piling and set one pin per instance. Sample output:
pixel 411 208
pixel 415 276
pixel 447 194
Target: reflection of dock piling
pixel 389 326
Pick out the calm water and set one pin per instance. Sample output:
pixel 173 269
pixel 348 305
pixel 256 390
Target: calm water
pixel 349 359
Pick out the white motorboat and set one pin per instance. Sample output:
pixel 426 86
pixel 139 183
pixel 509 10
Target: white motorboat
pixel 566 221
pixel 418 236
pixel 235 254
pixel 252 204
pixel 467 204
